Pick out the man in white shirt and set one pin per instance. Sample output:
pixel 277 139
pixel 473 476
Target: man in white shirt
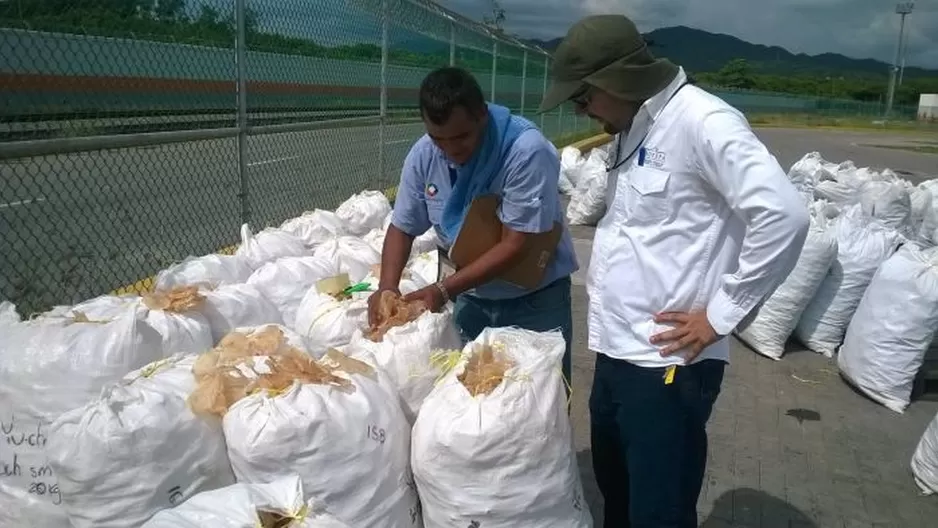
pixel 701 226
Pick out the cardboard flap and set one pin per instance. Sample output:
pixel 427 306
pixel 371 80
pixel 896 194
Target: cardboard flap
pixel 482 230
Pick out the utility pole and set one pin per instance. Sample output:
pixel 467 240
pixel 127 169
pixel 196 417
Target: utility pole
pixel 905 42
pixel 902 9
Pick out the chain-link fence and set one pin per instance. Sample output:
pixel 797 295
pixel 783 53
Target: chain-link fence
pixel 138 132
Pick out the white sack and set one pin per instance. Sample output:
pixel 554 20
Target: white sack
pixel 588 201
pixel 186 332
pixel 428 241
pixel 925 459
pixel 893 327
pixel 425 266
pixel 350 448
pixel 350 255
pixel 775 321
pixel 927 230
pixel 237 305
pixel 209 270
pixel 315 227
pixel 137 449
pixel 405 355
pixel 237 506
pixel 363 212
pixel 8 314
pixel 890 203
pixel 505 459
pixel 48 367
pixel 286 280
pixel 862 245
pixel 571 160
pixel 325 322
pixel 268 245
pixel 807 172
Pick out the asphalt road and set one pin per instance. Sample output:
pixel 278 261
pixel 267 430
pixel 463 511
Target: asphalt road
pixel 77 225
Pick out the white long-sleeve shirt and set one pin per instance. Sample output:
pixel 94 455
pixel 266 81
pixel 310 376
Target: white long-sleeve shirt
pixel 704 218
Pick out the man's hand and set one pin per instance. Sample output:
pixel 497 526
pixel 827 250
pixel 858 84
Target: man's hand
pixel 373 301
pixel 431 296
pixel 692 334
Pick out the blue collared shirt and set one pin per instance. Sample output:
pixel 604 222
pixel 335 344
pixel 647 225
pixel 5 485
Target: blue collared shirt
pixel 526 186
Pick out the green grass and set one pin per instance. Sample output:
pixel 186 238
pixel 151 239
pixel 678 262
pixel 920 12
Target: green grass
pixel 839 122
pixel 922 149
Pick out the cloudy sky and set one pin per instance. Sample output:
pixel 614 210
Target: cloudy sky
pixel 856 28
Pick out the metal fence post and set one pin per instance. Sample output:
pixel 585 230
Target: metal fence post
pixel 382 125
pixel 452 43
pixel 546 64
pixel 241 72
pixel 494 67
pixel 524 79
pixel 560 120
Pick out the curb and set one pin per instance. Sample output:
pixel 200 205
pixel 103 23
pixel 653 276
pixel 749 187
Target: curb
pixel 590 143
pixel 147 284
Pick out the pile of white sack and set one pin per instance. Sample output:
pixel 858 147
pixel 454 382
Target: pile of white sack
pixel 866 283
pixel 249 390
pixel 584 179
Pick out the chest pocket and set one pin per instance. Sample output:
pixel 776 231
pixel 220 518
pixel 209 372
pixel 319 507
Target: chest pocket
pixel 648 196
pixel 435 210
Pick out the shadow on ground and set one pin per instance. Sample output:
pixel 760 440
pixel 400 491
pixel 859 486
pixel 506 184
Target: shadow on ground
pixel 737 508
pixel 747 507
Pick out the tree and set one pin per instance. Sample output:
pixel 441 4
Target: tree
pixel 736 74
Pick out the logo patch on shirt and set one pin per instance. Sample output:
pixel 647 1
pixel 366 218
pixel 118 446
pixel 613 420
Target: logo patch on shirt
pixel 431 190
pixel 655 158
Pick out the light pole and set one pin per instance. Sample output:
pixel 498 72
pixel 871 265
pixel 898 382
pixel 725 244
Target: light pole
pixel 902 9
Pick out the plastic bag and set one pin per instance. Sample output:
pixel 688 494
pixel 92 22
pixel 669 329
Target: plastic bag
pixel 277 504
pixel 492 445
pixel 137 449
pixel 315 227
pixel 349 445
pixel 588 201
pixel 285 281
pixel 48 367
pixel 363 212
pixel 237 305
pixel 893 327
pixel 268 245
pixel 350 255
pixel 209 270
pixel 776 319
pixel 925 459
pixel 403 347
pixel 863 244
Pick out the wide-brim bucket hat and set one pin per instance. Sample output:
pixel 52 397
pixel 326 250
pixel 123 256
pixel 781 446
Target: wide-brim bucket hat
pixel 608 52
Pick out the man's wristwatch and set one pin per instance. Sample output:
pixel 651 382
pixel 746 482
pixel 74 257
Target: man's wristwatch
pixel 443 292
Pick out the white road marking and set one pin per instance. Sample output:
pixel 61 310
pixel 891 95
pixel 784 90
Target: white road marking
pixel 267 162
pixel 21 202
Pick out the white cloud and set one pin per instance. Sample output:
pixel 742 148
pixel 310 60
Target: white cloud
pixel 856 28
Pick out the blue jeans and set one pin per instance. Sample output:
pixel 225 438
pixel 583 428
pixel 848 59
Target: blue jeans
pixel 549 308
pixel 649 440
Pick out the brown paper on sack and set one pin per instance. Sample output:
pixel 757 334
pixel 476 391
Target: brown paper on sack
pixel 482 230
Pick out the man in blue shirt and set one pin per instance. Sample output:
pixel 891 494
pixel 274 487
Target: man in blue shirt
pixel 473 148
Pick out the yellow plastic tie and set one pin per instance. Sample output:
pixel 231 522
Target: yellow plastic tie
pixel 669 374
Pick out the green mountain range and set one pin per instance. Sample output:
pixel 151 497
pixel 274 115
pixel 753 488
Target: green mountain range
pixel 701 51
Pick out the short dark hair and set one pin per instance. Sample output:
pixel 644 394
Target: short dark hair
pixel 443 89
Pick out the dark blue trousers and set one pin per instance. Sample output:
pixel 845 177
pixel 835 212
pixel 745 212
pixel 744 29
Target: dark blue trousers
pixel 649 440
pixel 549 308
